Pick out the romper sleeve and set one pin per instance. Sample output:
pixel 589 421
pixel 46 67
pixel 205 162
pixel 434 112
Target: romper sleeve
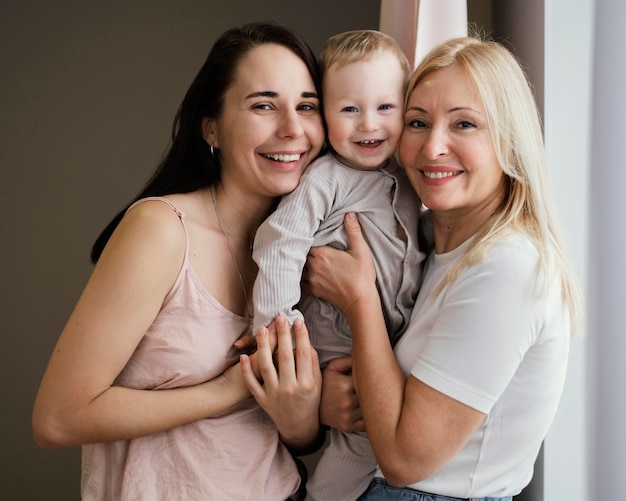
pixel 282 244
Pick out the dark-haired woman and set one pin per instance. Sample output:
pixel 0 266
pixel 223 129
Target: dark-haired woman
pixel 144 375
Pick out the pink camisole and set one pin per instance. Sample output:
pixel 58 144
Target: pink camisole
pixel 234 455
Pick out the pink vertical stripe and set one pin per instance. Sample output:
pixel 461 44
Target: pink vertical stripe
pixel 419 25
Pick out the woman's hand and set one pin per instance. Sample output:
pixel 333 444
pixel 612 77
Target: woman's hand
pixel 247 345
pixel 290 390
pixel 340 405
pixel 341 277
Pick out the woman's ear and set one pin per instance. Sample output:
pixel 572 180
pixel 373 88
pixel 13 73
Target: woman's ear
pixel 209 132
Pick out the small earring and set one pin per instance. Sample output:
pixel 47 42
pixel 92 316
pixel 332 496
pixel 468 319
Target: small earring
pixel 212 150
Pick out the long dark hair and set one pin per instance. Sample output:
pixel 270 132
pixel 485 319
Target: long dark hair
pixel 188 164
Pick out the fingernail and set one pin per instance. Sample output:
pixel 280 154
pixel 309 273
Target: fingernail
pixel 280 320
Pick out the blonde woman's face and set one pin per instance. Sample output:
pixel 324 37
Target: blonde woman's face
pixel 446 147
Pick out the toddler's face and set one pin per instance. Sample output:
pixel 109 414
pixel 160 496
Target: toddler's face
pixel 363 107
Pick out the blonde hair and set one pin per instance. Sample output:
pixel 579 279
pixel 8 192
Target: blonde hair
pixel 516 133
pixel 360 45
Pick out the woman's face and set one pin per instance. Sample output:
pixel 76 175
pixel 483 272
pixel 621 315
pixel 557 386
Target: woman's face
pixel 446 147
pixel 270 127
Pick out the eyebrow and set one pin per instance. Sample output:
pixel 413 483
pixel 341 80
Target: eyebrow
pixel 451 110
pixel 270 93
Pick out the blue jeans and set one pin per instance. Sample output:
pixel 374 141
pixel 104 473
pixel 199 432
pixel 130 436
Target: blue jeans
pixel 380 490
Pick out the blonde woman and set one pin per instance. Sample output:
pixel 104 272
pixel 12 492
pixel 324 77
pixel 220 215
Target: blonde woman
pixel 458 408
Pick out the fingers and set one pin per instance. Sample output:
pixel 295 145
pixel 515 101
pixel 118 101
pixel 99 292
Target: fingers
pixel 284 352
pixel 262 375
pixel 295 370
pixel 307 362
pixel 289 391
pixel 266 339
pixel 358 425
pixel 340 406
pixel 353 229
pixel 250 378
pixel 246 344
pixel 342 365
pixel 259 365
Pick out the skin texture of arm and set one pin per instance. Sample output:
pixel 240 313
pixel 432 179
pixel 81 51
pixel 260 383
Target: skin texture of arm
pixel 77 402
pixel 414 429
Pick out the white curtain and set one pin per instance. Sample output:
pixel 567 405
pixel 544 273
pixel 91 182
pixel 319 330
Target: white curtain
pixel 419 25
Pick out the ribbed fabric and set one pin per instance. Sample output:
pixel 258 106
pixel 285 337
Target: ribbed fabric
pixel 312 215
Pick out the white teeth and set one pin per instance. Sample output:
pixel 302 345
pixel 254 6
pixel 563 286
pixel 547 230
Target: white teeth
pixel 439 175
pixel 372 141
pixel 284 158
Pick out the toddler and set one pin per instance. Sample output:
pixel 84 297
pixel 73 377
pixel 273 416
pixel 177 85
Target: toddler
pixel 364 79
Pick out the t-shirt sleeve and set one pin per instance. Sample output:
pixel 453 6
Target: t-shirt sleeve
pixel 486 324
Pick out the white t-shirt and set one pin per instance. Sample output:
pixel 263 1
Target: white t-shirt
pixel 493 341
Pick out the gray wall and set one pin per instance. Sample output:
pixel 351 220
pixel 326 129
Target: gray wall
pixel 88 93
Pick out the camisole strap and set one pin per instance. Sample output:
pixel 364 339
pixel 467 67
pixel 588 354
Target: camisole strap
pixel 179 213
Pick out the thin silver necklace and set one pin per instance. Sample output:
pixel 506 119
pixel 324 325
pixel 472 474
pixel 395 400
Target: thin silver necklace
pixel 225 223
pixel 222 222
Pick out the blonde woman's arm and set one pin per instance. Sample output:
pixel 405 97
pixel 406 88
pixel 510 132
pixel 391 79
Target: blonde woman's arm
pixel 414 429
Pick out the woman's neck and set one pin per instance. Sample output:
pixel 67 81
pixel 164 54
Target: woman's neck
pixel 240 214
pixel 453 227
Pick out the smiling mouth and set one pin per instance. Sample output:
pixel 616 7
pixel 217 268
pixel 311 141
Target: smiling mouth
pixel 283 158
pixel 370 142
pixel 439 174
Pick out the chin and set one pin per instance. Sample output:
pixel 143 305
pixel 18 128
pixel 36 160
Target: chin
pixel 286 187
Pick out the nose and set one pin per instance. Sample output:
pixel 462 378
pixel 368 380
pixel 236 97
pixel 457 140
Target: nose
pixel 290 124
pixel 436 143
pixel 369 122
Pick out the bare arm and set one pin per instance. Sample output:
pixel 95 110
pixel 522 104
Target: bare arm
pixel 77 402
pixel 413 428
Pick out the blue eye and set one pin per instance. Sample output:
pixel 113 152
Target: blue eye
pixel 350 109
pixel 385 107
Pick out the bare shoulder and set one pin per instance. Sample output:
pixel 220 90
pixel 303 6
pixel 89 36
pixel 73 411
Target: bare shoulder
pixel 149 234
pixel 155 220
